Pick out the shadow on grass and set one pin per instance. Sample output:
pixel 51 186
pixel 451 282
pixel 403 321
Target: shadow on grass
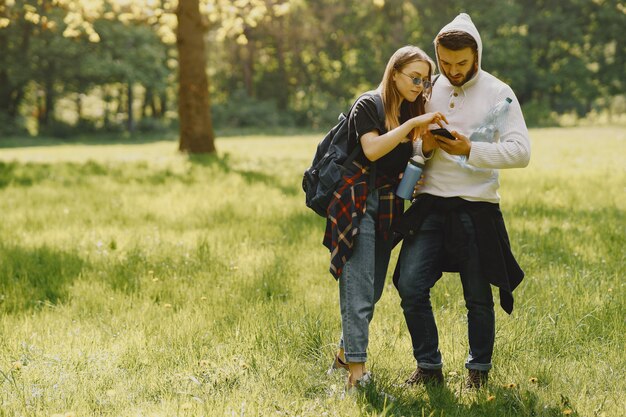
pixel 222 163
pixel 442 401
pixel 301 224
pixel 256 177
pixel 97 139
pixel 71 173
pixel 31 277
pixel 126 138
pixel 28 174
pixel 21 175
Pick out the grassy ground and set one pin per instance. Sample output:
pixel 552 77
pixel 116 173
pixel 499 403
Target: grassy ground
pixel 137 282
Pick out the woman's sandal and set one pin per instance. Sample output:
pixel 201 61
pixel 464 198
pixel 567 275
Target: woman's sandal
pixel 337 364
pixel 361 383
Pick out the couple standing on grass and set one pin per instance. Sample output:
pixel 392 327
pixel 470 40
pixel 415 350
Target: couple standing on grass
pixel 454 223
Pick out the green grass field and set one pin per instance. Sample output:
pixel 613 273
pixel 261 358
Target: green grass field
pixel 137 282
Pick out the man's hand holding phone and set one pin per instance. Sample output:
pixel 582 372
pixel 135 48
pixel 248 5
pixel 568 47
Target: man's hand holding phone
pixel 442 132
pixel 452 142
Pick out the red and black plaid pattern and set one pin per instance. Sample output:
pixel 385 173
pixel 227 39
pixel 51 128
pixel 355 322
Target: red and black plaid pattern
pixel 346 209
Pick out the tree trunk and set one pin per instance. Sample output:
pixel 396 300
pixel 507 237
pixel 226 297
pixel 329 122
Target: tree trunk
pixel 163 104
pixel 79 107
pixel 40 109
pixel 10 97
pixel 247 62
pixel 131 98
pixel 149 103
pixel 153 107
pixel 146 103
pixel 46 103
pixel 12 92
pixel 282 94
pixel 119 108
pixel 107 105
pixel 6 89
pixel 196 130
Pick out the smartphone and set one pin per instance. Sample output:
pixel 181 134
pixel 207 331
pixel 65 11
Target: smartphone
pixel 443 132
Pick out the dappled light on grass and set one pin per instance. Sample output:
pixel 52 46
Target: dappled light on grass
pixel 199 286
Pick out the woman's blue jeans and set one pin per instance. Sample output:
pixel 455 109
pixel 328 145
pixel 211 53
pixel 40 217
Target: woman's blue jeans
pixel 362 282
pixel 421 264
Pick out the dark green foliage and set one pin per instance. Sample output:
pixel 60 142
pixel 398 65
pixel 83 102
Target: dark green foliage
pixel 150 124
pixel 538 114
pixel 304 66
pixel 59 129
pixel 11 126
pixel 39 66
pixel 557 59
pixel 241 110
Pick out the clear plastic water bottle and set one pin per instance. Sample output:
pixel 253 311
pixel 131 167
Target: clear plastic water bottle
pixel 486 132
pixel 496 116
pixel 411 176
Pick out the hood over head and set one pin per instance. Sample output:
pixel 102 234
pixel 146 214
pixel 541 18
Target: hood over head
pixel 463 22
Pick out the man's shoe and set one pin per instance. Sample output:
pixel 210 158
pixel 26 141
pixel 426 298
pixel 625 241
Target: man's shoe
pixel 425 376
pixel 476 378
pixel 337 364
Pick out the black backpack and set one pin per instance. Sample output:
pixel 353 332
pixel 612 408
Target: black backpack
pixel 331 161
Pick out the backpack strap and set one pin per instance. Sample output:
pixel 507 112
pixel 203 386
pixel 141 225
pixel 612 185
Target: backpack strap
pixel 381 118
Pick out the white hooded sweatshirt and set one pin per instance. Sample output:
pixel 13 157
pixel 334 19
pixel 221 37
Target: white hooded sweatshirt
pixel 465 108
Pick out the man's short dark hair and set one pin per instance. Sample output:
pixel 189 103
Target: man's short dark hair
pixel 456 40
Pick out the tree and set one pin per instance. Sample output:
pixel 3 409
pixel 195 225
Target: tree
pixel 196 130
pixel 15 42
pixel 289 62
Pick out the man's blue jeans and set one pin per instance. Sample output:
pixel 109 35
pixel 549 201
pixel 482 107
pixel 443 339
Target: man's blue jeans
pixel 421 265
pixel 362 282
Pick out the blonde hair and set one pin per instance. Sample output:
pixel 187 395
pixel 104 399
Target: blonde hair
pixel 390 94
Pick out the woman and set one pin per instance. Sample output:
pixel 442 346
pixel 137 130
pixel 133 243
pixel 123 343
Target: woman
pixel 359 217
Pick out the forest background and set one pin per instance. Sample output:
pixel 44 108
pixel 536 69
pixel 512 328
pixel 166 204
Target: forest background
pixel 81 67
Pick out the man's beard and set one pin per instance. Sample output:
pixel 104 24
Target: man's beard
pixel 465 79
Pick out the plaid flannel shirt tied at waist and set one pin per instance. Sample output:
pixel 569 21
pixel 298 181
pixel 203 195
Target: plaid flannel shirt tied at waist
pixel 347 207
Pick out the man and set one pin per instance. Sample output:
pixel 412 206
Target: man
pixel 455 223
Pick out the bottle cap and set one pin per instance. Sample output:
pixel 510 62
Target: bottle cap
pixel 417 160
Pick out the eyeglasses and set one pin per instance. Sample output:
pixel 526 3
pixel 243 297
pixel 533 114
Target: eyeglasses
pixel 418 81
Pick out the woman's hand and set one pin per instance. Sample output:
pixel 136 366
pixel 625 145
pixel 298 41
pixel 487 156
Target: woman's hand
pixel 422 122
pixel 376 146
pixel 429 143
